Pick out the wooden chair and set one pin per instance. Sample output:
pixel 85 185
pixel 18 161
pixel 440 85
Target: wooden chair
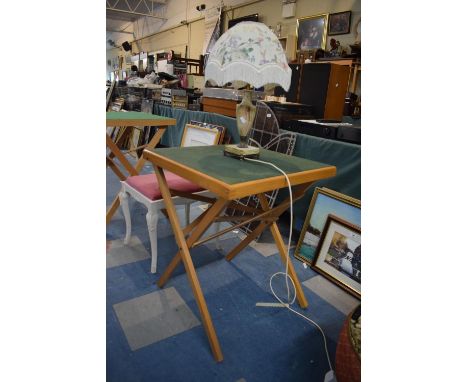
pixel 145 189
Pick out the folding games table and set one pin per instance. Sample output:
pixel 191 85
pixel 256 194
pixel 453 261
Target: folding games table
pixel 229 179
pixel 130 119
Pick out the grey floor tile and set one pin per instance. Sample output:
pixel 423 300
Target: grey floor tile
pixel 268 249
pixel 266 245
pixel 119 254
pixel 265 249
pixel 225 243
pixel 331 293
pixel 154 317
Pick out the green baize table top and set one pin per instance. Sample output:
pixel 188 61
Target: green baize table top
pixel 211 161
pixel 132 115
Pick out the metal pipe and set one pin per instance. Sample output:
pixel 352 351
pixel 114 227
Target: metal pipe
pixel 231 8
pixel 171 28
pixel 114 31
pixel 135 13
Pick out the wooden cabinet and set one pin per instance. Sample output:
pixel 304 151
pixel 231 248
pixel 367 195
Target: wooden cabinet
pixel 323 86
pixel 355 68
pixel 221 106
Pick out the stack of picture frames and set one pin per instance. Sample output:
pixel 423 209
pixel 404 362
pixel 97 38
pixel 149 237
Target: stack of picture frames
pixel 330 241
pixel 117 104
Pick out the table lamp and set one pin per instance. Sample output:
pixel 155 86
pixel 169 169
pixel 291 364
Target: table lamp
pixel 248 53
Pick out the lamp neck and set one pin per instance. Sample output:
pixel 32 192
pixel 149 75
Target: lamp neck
pixel 247 98
pixel 245 115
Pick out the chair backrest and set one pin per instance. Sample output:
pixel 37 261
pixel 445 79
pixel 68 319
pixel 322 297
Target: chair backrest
pixel 266 133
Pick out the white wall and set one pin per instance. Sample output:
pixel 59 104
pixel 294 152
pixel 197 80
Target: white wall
pixel 171 34
pixel 270 12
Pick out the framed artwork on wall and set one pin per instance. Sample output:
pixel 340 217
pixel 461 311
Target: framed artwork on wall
pixel 339 23
pixel 324 202
pixel 339 254
pixel 311 32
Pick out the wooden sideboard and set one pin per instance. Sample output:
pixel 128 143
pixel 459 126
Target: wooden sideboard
pixel 355 69
pixel 354 65
pixel 323 86
pixel 222 106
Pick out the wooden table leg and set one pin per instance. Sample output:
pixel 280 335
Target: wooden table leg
pixel 133 171
pixel 199 230
pixel 120 139
pixel 250 237
pixel 275 212
pixel 176 259
pixel 188 264
pixel 118 154
pixel 113 207
pixel 151 145
pixel 114 168
pixel 284 255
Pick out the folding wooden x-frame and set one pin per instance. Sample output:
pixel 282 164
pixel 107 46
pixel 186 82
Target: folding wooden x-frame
pixel 128 120
pixel 189 236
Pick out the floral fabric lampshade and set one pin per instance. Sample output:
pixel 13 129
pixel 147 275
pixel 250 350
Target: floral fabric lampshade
pixel 249 52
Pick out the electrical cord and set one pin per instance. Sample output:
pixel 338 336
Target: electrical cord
pixel 287 304
pixel 290 228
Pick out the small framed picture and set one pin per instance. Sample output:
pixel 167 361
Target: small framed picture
pixel 199 136
pixel 221 129
pixel 339 23
pixel 311 32
pixel 324 202
pixel 339 255
pixel 115 106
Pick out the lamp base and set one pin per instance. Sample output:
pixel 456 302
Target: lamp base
pixel 240 152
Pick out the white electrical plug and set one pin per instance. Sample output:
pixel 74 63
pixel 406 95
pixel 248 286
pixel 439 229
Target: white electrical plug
pixel 330 376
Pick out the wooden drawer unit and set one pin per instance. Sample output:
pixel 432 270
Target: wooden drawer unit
pixel 323 86
pixel 221 106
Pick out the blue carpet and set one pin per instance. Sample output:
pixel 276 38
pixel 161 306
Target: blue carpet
pixel 258 344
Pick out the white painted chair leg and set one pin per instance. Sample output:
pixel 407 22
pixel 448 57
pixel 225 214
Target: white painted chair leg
pixel 152 221
pixel 123 196
pixel 217 226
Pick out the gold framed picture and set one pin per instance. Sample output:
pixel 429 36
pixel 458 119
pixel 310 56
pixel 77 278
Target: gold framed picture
pixel 199 136
pixel 339 255
pixel 324 202
pixel 311 32
pixel 207 125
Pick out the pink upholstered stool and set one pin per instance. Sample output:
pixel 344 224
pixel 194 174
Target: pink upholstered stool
pixel 145 189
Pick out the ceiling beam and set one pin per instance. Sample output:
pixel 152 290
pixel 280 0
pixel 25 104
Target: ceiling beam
pixel 135 8
pixel 116 31
pixel 136 13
